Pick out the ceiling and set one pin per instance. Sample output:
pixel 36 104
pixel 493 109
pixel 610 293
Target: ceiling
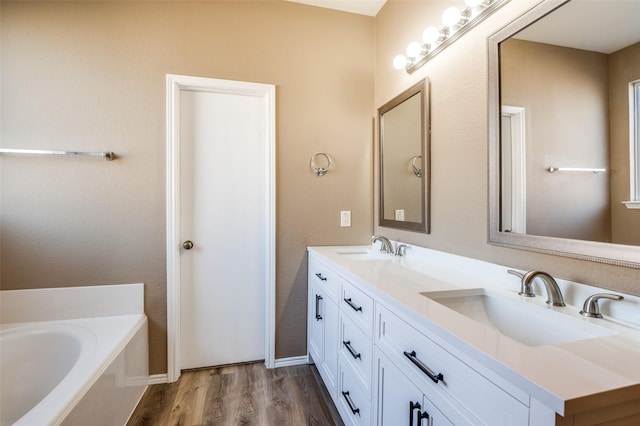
pixel 600 26
pixel 362 7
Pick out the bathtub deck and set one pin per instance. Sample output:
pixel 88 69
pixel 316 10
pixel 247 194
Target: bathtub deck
pixel 239 395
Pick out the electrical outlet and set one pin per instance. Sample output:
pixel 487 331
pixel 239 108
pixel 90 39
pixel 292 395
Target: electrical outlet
pixel 345 218
pixel 400 215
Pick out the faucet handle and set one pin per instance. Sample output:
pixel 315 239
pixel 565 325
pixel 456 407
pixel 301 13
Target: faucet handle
pixel 516 273
pixel 526 288
pixel 591 308
pixel 401 250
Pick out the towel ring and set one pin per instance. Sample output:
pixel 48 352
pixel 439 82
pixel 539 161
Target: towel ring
pixel 416 170
pixel 320 170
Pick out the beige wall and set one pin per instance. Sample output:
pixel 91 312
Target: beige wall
pixel 624 68
pixel 91 76
pixel 565 96
pixel 459 188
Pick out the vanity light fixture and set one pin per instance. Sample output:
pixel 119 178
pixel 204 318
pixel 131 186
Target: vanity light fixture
pixel 455 24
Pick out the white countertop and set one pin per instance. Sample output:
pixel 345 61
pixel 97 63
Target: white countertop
pixel 568 377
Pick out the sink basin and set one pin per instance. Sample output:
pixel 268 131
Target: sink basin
pixel 517 319
pixel 363 254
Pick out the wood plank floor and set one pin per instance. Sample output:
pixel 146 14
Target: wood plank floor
pixel 247 394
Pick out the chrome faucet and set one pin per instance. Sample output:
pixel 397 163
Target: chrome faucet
pixel 385 244
pixel 554 294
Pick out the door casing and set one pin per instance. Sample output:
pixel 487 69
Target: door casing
pixel 174 85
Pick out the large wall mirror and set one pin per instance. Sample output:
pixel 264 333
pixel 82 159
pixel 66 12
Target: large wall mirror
pixel 561 131
pixel 404 160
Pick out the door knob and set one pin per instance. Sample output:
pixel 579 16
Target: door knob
pixel 188 245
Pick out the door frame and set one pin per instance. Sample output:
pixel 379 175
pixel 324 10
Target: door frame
pixel 174 85
pixel 518 162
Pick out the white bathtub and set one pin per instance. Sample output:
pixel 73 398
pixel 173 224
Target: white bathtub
pixel 72 371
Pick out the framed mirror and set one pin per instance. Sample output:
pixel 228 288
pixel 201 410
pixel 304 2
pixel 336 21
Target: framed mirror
pixel 564 131
pixel 404 160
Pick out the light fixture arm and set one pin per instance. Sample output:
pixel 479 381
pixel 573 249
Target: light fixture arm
pixel 470 17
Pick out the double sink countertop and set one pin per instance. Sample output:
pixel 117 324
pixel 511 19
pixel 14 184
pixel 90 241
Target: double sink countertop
pixel 596 365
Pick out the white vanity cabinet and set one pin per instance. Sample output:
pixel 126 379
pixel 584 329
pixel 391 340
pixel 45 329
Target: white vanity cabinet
pixel 375 364
pixel 400 402
pixel 391 356
pixel 462 394
pixel 356 356
pixel 322 322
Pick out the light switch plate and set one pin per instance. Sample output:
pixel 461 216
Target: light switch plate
pixel 345 218
pixel 400 215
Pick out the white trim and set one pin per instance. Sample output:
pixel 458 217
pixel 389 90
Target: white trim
pixel 634 146
pixel 174 85
pixel 632 204
pixel 294 360
pixel 518 168
pixel 157 379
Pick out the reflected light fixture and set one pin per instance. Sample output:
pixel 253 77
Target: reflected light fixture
pixel 455 24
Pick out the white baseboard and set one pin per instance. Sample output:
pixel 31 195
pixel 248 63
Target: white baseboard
pixel 294 360
pixel 156 379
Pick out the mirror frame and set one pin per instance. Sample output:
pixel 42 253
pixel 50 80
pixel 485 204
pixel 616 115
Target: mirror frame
pixel 422 89
pixel 609 253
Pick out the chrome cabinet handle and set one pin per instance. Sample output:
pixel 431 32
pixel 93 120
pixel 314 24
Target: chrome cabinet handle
pixel 414 359
pixel 353 306
pixel 354 354
pixel 318 299
pixel 352 406
pixel 187 245
pixel 319 275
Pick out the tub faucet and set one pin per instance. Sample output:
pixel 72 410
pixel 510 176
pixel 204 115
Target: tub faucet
pixel 554 294
pixel 385 244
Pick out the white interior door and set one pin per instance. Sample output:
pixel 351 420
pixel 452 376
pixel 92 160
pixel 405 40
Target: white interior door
pixel 222 212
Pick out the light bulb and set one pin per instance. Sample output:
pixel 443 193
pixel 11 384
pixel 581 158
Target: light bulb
pixel 431 35
pixel 414 49
pixel 473 3
pixel 451 16
pixel 399 62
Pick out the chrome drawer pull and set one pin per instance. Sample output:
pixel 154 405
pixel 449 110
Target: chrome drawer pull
pixel 354 354
pixel 318 299
pixel 319 275
pixel 353 306
pixel 352 406
pixel 412 357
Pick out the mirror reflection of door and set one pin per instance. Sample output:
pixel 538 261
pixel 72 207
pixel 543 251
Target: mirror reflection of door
pixel 514 179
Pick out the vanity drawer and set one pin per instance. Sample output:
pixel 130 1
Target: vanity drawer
pixel 358 306
pixel 354 402
pixel 434 369
pixel 356 350
pixel 325 278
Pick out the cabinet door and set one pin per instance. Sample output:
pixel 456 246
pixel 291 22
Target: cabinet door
pixel 315 328
pixel 329 365
pixel 400 403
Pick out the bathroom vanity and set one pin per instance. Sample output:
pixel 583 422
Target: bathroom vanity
pixel 430 338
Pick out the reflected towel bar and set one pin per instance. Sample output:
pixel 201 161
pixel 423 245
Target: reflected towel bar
pixel 108 155
pixel 575 169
